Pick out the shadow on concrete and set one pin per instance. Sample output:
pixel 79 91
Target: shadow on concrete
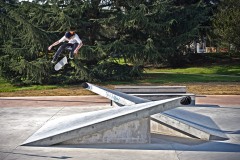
pixel 35 155
pixel 232 132
pixel 207 106
pixel 165 142
pixel 204 147
pixel 214 106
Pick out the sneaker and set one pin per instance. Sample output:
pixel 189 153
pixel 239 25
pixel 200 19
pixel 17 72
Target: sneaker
pixel 70 56
pixel 53 61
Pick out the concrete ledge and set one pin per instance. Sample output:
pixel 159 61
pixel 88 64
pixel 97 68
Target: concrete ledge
pixel 159 96
pixel 154 93
pixel 171 120
pixel 178 121
pixel 151 89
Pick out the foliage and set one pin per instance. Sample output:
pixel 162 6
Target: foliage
pixel 154 32
pixel 227 23
pixel 29 28
pixel 233 70
pixel 22 56
pixel 141 32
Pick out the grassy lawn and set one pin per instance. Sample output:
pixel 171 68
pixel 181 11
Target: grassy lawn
pixel 185 78
pixel 225 79
pixel 177 78
pixel 7 87
pixel 224 73
pixel 216 69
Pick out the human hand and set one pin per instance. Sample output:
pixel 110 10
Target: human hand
pixel 49 48
pixel 75 52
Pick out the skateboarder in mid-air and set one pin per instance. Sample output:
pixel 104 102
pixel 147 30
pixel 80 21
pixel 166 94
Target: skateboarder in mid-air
pixel 74 42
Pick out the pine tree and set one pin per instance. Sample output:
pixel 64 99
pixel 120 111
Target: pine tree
pixel 32 27
pixel 139 31
pixel 227 23
pixel 21 44
pixel 154 31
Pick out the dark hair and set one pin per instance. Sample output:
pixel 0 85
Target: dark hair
pixel 72 28
pixel 68 35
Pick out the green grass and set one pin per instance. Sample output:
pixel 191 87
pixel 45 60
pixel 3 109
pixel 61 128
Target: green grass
pixel 183 75
pixel 218 73
pixel 7 87
pixel 185 78
pixel 218 69
pixel 168 78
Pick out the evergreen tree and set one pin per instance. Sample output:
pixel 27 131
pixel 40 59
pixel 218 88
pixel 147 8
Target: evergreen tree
pixel 227 23
pixel 29 28
pixel 139 31
pixel 155 31
pixel 21 45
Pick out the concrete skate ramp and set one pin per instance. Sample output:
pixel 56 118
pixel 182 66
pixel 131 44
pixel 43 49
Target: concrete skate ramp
pixel 116 96
pixel 74 126
pixel 199 121
pixel 186 122
pixel 122 98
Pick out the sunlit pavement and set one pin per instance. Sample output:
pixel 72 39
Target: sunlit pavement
pixel 20 117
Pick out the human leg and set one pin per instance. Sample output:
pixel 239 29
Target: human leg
pixel 71 54
pixel 59 51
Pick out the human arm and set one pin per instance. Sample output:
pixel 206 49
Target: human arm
pixel 80 44
pixel 78 47
pixel 57 42
pixel 54 44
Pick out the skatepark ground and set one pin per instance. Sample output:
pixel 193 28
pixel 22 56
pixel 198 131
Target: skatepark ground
pixel 20 117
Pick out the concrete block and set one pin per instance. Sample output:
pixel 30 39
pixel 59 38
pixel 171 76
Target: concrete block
pixel 151 89
pixel 136 131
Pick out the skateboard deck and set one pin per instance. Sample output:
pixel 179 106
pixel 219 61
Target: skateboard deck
pixel 61 63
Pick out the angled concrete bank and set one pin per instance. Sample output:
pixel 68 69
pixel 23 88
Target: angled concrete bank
pixel 76 128
pixel 180 125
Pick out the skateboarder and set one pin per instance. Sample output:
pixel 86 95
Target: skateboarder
pixel 74 42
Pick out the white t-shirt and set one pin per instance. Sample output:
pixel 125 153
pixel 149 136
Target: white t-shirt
pixel 74 39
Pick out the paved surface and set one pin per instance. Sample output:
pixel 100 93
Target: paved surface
pixel 223 100
pixel 20 117
pixel 53 101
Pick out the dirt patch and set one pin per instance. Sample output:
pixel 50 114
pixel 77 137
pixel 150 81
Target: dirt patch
pixel 223 88
pixel 214 88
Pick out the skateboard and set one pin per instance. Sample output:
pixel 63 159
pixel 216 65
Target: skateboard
pixel 61 63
